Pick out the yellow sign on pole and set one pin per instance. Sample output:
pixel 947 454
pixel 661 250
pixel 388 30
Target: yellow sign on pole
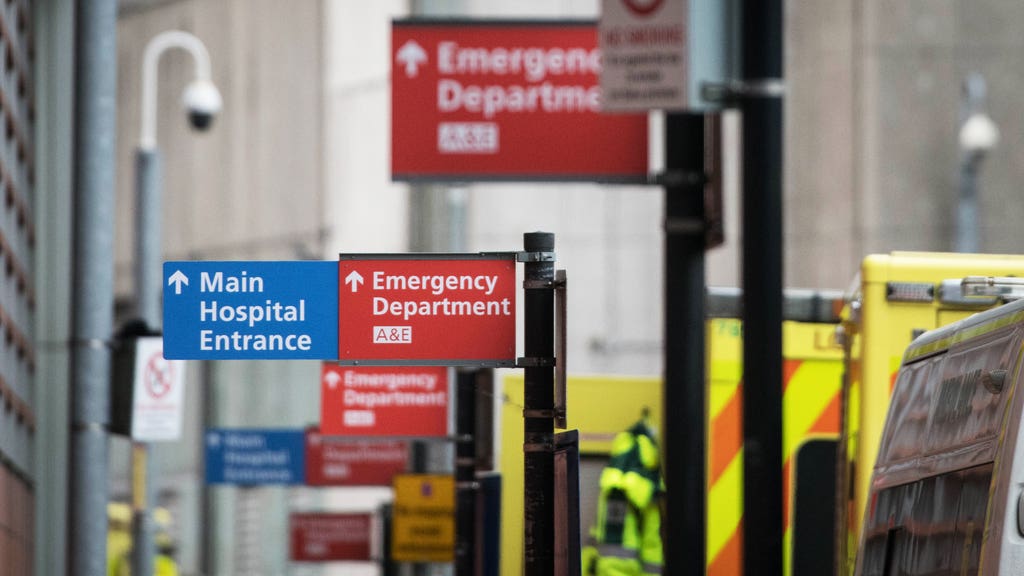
pixel 423 527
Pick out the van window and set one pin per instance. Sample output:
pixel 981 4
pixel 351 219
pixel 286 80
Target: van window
pixel 965 412
pixel 942 416
pixel 908 410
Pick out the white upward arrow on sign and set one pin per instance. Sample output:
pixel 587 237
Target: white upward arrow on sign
pixel 332 379
pixel 412 55
pixel 354 278
pixel 178 278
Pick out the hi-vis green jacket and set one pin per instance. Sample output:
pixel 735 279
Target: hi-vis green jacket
pixel 626 540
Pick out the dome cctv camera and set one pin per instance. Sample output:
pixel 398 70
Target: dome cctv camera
pixel 202 102
pixel 979 134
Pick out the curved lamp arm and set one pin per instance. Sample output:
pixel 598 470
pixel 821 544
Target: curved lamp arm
pixel 154 49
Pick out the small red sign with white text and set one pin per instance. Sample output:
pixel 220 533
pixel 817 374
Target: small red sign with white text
pixel 333 462
pixel 516 100
pixel 451 311
pixel 383 401
pixel 323 537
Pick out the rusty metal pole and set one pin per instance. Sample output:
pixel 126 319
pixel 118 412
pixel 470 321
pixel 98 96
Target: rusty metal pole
pixel 539 403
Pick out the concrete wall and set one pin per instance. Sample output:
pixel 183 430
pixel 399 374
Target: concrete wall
pixel 871 129
pixel 823 244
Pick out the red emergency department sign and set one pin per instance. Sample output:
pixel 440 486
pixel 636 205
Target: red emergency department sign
pixel 323 537
pixel 383 401
pixel 506 100
pixel 334 462
pixel 447 310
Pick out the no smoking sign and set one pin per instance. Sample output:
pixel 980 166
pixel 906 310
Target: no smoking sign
pixel 157 393
pixel 644 54
pixel 158 376
pixel 643 7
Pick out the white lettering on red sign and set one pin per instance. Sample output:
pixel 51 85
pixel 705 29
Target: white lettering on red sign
pixel 434 283
pixel 467 138
pixel 534 64
pixel 444 307
pixel 391 381
pixel 359 418
pixel 365 391
pixel 392 334
pixel 452 96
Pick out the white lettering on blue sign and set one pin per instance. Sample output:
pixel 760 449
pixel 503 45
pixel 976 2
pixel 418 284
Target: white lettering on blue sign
pixel 212 341
pixel 233 284
pixel 270 311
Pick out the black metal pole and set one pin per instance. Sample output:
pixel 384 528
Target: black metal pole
pixel 539 404
pixel 684 396
pixel 465 473
pixel 761 104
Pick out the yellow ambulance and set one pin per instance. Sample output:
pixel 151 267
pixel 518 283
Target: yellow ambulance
pixel 601 406
pixel 839 370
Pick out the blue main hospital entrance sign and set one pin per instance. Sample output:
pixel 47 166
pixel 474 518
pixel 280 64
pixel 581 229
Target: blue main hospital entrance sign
pixel 251 310
pixel 253 456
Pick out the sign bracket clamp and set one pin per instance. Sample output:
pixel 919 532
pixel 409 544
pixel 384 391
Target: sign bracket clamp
pixel 558 284
pixel 535 256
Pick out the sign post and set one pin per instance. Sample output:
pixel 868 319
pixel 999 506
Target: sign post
pixel 466 486
pixel 539 405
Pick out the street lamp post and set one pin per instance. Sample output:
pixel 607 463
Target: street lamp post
pixel 978 135
pixel 202 102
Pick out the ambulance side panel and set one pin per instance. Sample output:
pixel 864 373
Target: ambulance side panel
pixel 934 503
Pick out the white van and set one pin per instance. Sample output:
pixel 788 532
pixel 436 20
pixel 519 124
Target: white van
pixel 946 490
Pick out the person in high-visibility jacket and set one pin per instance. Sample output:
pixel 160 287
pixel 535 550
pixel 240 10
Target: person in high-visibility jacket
pixel 119 542
pixel 626 540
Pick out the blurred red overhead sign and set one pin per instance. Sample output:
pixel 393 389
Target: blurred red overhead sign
pixel 457 310
pixel 322 537
pixel 383 401
pixel 336 462
pixel 493 100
